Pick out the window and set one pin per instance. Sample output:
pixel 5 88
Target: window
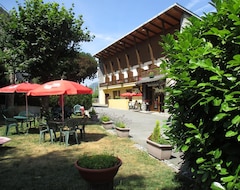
pixel 116 94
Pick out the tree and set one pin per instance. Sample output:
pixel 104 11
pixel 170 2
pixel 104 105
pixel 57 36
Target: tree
pixel 82 67
pixel 204 98
pixel 47 38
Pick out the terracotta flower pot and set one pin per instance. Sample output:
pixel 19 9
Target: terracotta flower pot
pixel 98 176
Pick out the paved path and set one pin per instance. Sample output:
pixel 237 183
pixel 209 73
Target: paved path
pixel 141 125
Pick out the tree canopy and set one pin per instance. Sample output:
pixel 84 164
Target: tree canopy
pixel 204 98
pixel 44 39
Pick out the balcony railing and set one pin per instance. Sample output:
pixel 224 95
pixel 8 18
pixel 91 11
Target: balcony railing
pixel 131 79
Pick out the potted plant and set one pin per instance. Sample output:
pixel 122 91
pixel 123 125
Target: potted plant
pixel 93 115
pixel 106 122
pixel 151 74
pixel 157 146
pixel 121 129
pixel 98 170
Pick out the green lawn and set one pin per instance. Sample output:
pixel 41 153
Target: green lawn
pixel 27 164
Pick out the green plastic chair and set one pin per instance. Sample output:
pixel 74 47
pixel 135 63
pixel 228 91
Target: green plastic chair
pixel 10 122
pixel 45 128
pixel 71 129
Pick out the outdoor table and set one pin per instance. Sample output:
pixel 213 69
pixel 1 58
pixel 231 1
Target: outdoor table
pixel 21 119
pixel 56 125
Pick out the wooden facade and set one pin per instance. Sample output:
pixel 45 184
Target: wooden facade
pixel 132 62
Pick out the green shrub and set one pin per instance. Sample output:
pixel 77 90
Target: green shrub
pixel 104 118
pixel 156 135
pixel 120 124
pixel 204 98
pixel 71 100
pixel 93 112
pixel 99 161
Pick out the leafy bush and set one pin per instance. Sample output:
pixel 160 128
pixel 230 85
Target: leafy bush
pixel 104 118
pixel 99 161
pixel 120 124
pixel 204 96
pixel 92 112
pixel 71 100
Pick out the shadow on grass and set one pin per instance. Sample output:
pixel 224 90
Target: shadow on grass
pixel 4 149
pixel 93 137
pixel 53 170
pixel 132 182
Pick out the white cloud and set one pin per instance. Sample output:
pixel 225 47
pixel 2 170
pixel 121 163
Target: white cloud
pixel 205 9
pixel 192 3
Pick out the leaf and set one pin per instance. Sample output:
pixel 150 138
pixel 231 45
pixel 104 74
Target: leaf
pixel 227 179
pixel 205 177
pixel 231 133
pixel 185 148
pixel 217 186
pixel 238 138
pixel 217 154
pixel 200 160
pixel 216 77
pixel 190 125
pixel 225 107
pixel 219 116
pixel 217 102
pixel 223 171
pixel 236 119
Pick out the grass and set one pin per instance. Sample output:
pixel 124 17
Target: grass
pixel 27 164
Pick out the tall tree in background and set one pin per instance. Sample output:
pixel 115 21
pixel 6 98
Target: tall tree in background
pixel 82 67
pixel 43 37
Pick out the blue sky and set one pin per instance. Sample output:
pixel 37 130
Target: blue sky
pixel 109 20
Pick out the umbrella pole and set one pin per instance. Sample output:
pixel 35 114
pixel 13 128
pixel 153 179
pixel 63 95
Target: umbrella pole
pixel 62 104
pixel 26 100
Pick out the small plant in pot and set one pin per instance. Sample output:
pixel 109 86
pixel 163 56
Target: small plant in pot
pixel 99 169
pixel 158 146
pixel 106 121
pixel 93 114
pixel 121 129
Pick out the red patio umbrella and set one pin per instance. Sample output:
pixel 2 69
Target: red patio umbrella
pixel 130 94
pixel 20 88
pixel 136 94
pixel 126 94
pixel 60 87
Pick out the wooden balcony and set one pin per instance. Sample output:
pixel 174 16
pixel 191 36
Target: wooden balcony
pixel 131 78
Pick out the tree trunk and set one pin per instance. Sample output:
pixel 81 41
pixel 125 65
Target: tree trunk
pixel 10 104
pixel 45 106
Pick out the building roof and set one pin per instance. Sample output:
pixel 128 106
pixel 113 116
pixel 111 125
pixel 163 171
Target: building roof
pixel 163 21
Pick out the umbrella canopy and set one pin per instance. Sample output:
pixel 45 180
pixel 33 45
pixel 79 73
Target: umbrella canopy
pixel 136 94
pixel 130 94
pixel 20 88
pixel 126 94
pixel 60 87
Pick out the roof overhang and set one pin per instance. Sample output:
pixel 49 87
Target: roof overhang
pixel 155 26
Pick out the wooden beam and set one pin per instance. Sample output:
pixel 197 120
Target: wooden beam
pixel 111 67
pixel 137 53
pixel 150 48
pixel 119 65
